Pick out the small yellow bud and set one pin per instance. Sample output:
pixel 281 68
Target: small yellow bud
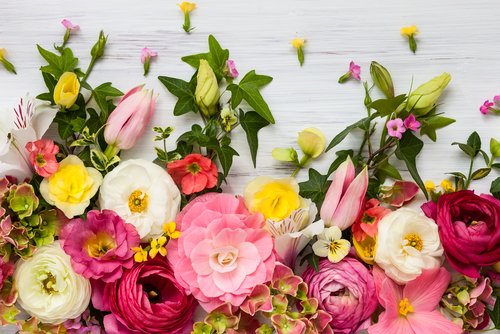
pixel 207 89
pixel 424 98
pixel 312 142
pixel 298 43
pixel 409 31
pixel 2 53
pixel 187 7
pixel 447 186
pixel 228 117
pixel 66 90
pixel 429 186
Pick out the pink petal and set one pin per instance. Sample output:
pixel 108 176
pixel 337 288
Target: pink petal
pixel 425 292
pixel 386 325
pixel 231 281
pixel 432 323
pixel 342 177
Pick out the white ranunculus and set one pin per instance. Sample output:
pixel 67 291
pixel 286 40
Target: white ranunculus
pixel 48 288
pixel 143 194
pixel 407 243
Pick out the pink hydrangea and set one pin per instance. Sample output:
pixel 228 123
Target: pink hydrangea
pixel 223 252
pixel 101 246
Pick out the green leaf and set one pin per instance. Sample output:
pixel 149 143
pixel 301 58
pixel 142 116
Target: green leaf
pixel 459 175
pixel 184 105
pixel 315 188
pixel 300 56
pixel 46 97
pixel 386 107
pixel 254 80
pixel 226 154
pixel 480 173
pixel 495 189
pixel 430 125
pixel 217 56
pixel 194 60
pixel 251 122
pixel 64 126
pixel 389 170
pixel 495 313
pixel 341 136
pixel 466 149
pixel 341 157
pixel 497 165
pixel 101 94
pixel 50 81
pixel 408 149
pixel 474 141
pixel 57 65
pixel 177 87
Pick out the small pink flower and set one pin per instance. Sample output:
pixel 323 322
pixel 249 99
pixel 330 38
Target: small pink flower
pixel 69 25
pixel 496 99
pixel 396 128
pixel 485 108
pixel 355 70
pixel 146 54
pixel 42 155
pixel 231 69
pixel 411 123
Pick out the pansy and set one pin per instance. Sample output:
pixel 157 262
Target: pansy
pixel 330 244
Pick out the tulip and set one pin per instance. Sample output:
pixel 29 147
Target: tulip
pixel 312 142
pixel 345 196
pixel 207 89
pixel 424 98
pixel 66 90
pixel 382 79
pixel 128 121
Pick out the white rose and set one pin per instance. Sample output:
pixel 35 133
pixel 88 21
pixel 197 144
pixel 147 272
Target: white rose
pixel 407 243
pixel 143 194
pixel 48 288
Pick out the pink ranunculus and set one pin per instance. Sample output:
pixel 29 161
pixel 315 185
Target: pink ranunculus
pixel 223 252
pixel 128 121
pixel 346 290
pixel 231 69
pixel 396 128
pixel 100 247
pixel 145 299
pixel 469 228
pixel 42 155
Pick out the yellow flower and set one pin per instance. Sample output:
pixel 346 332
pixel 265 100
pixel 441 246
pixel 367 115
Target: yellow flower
pixel 140 254
pixel 447 186
pixel 170 230
pixel 298 43
pixel 157 247
pixel 71 187
pixel 187 7
pixel 429 186
pixel 207 90
pixel 409 31
pixel 365 248
pixel 312 142
pixel 66 90
pixel 2 53
pixel 276 199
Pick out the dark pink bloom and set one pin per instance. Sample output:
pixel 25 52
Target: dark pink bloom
pixel 6 270
pixel 231 69
pixel 469 228
pixel 69 25
pixel 100 247
pixel 411 123
pixel 42 155
pixel 355 70
pixel 485 108
pixel 396 128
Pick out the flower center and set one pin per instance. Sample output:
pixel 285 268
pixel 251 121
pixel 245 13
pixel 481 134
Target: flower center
pixel 415 241
pixel 224 259
pixel 405 307
pixel 48 282
pixel 99 244
pixel 334 246
pixel 193 168
pixel 367 219
pixel 138 201
pixel 40 161
pixel 154 294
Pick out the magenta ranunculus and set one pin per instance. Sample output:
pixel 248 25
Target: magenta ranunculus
pixel 146 299
pixel 469 228
pixel 346 290
pixel 223 252
pixel 100 247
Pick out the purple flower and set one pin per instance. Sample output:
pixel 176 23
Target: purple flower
pixel 411 123
pixel 396 128
pixel 69 25
pixel 231 69
pixel 355 70
pixel 485 108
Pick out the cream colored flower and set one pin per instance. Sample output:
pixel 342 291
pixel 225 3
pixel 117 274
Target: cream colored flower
pixel 330 244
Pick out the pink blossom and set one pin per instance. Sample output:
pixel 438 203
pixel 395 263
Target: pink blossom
pixel 355 70
pixel 411 123
pixel 485 108
pixel 100 247
pixel 147 53
pixel 412 309
pixel 69 25
pixel 496 99
pixel 396 128
pixel 42 155
pixel 231 69
pixel 223 252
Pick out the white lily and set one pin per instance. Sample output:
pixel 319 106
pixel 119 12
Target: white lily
pixel 330 244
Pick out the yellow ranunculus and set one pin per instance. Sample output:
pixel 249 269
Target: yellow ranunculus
pixel 312 142
pixel 298 43
pixel 187 7
pixel 71 187
pixel 409 31
pixel 276 199
pixel 66 90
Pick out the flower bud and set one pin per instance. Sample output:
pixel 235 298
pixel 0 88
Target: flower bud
pixel 207 90
pixel 66 90
pixel 495 147
pixel 424 98
pixel 285 154
pixel 382 79
pixel 312 142
pixel 98 48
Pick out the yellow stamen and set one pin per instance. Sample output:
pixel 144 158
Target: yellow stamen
pixel 405 307
pixel 415 241
pixel 138 201
pixel 99 244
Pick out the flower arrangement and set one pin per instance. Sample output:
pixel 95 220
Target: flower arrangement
pixel 93 243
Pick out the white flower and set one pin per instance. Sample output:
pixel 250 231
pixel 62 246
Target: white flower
pixel 48 287
pixel 330 244
pixel 27 122
pixel 143 194
pixel 407 243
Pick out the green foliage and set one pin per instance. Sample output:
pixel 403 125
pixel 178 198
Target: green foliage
pixel 252 122
pixel 495 314
pixel 315 187
pixel 57 65
pixel 495 188
pixel 407 150
pixel 341 136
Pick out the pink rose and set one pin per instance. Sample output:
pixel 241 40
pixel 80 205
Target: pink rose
pixel 346 290
pixel 223 252
pixel 469 228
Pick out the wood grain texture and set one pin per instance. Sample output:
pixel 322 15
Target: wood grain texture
pixel 457 36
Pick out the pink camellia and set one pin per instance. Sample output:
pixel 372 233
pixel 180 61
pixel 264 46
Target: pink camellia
pixel 231 69
pixel 100 247
pixel 42 155
pixel 469 229
pixel 345 197
pixel 193 173
pixel 396 128
pixel 223 251
pixel 145 299
pixel 346 290
pixel 128 121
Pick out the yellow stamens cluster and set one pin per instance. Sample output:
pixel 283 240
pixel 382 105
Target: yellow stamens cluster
pixel 298 43
pixel 415 241
pixel 99 244
pixel 447 186
pixel 430 186
pixel 405 307
pixel 138 201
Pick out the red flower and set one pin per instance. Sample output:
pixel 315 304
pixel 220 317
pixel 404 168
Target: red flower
pixel 367 221
pixel 194 173
pixel 42 155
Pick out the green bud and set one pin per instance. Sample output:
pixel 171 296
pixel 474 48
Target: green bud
pixel 285 154
pixel 382 79
pixel 495 147
pixel 368 98
pixel 207 90
pixel 98 48
pixel 424 98
pixel 312 142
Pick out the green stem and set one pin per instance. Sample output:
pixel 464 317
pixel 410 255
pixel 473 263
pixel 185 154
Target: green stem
pixel 467 182
pixel 187 23
pixel 304 161
pixel 111 151
pixel 89 69
pixel 390 143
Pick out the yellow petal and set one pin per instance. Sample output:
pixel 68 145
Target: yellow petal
pixel 163 251
pixel 339 250
pixel 153 252
pixel 298 43
pixel 162 240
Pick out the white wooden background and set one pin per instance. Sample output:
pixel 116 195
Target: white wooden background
pixel 457 36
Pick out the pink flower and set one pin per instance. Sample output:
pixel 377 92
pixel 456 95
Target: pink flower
pixel 411 123
pixel 194 173
pixel 223 252
pixel 42 155
pixel 412 309
pixel 399 193
pixel 146 54
pixel 355 70
pixel 129 119
pixel 367 222
pixel 100 247
pixel 345 196
pixel 396 128
pixel 69 25
pixel 346 290
pixel 496 99
pixel 231 69
pixel 485 108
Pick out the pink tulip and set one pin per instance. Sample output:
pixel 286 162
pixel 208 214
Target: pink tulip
pixel 127 122
pixel 345 196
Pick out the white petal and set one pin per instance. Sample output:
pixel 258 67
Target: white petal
pixel 321 248
pixel 338 254
pixel 332 233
